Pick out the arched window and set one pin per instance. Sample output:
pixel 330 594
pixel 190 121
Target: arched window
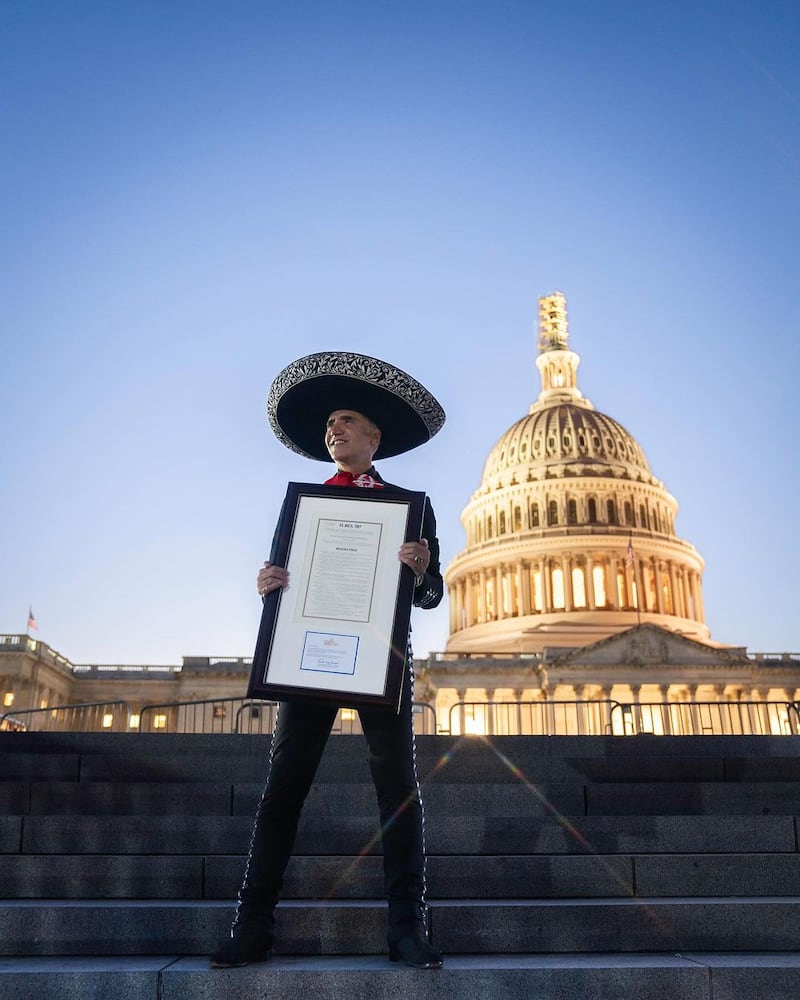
pixel 643 522
pixel 534 515
pixel 611 511
pixel 599 581
pixel 572 512
pixel 628 512
pixel 578 587
pixel 517 519
pixel 557 580
pixel 592 506
pixel 501 522
pixel 538 591
pixel 552 512
pixel 656 519
pixel 489 527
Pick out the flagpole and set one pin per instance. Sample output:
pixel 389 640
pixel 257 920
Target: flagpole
pixel 630 563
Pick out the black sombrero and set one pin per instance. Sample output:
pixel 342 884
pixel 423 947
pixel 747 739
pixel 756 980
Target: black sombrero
pixel 308 390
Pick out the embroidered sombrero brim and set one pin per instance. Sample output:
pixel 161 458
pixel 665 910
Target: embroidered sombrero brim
pixel 307 391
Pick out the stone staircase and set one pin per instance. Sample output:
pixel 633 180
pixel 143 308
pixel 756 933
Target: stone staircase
pixel 587 868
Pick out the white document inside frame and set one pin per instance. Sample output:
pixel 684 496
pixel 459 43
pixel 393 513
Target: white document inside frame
pixel 335 619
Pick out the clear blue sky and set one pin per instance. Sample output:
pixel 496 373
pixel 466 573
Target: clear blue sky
pixel 194 194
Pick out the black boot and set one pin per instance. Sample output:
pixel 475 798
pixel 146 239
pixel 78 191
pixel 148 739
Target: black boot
pixel 250 941
pixel 408 942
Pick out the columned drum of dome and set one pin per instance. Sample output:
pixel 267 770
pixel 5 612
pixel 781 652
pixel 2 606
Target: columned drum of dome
pixel 570 536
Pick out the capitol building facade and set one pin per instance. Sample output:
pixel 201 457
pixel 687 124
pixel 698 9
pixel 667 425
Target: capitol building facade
pixel 574 606
pixel 574 589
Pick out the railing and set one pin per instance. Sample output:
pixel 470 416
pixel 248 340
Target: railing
pixel 614 718
pixel 708 718
pixel 90 717
pixel 209 715
pixel 514 718
pixel 529 718
pixel 244 715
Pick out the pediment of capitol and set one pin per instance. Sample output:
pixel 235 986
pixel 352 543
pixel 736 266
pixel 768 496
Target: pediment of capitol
pixel 649 645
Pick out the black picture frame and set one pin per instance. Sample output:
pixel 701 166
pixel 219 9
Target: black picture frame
pixel 339 632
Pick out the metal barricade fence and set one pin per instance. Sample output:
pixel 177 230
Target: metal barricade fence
pixel 209 715
pixel 707 718
pixel 89 717
pixel 515 718
pixel 615 718
pixel 530 718
pixel 245 715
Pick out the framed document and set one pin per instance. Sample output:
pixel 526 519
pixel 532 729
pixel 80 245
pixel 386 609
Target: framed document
pixel 339 632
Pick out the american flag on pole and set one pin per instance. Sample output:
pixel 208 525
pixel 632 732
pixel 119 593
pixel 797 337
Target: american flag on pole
pixel 31 620
pixel 629 553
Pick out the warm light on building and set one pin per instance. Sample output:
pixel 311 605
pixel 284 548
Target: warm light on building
pixel 8 699
pixel 134 722
pixel 108 720
pixel 474 727
pixel 159 721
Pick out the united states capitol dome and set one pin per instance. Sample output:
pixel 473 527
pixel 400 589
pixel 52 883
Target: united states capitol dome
pixel 570 535
pixel 566 439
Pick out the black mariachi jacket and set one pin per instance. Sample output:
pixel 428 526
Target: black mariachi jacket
pixel 428 593
pixel 430 590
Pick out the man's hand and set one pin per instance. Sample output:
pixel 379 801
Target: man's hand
pixel 415 555
pixel 270 578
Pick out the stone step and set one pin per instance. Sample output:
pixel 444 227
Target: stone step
pixel 152 927
pixel 326 798
pixel 206 798
pixel 646 976
pixel 464 766
pixel 503 759
pixel 765 748
pixel 445 834
pixel 87 876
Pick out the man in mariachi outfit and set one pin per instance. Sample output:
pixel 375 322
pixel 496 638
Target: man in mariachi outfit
pixel 351 409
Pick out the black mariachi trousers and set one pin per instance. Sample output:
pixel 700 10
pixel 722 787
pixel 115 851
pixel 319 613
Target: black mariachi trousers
pixel 301 732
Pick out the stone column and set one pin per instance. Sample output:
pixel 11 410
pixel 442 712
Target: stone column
pixel 700 604
pixel 591 601
pixel 461 697
pixel 640 603
pixel 470 601
pixel 684 583
pixel 489 720
pixel 673 587
pixel 547 586
pixel 542 587
pixel 524 585
pixel 612 594
pixel 499 596
pixel 566 572
pixel 585 712
pixel 659 591
pixel 662 694
pixel 697 726
pixel 455 604
pixel 694 604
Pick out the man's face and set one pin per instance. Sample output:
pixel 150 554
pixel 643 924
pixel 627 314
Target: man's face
pixel 351 439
